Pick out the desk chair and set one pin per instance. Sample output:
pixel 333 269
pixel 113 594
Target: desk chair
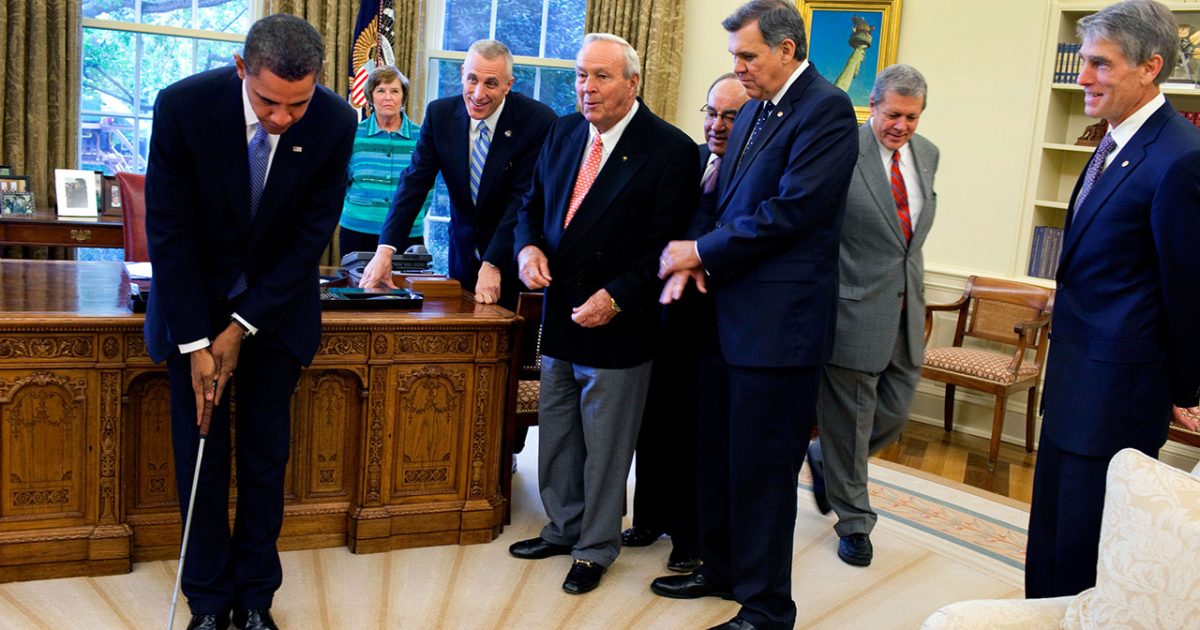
pixel 1004 312
pixel 524 385
pixel 133 215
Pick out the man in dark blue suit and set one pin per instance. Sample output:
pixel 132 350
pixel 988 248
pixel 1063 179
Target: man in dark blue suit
pixel 1125 355
pixel 665 501
pixel 768 254
pixel 245 182
pixel 612 185
pixel 484 144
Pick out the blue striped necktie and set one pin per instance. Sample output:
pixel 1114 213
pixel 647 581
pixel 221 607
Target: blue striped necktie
pixel 479 151
pixel 767 106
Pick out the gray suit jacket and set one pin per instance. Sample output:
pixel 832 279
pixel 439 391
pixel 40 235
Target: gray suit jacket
pixel 876 268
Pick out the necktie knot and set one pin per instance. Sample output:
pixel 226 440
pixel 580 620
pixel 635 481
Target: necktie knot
pixel 710 180
pixel 1094 169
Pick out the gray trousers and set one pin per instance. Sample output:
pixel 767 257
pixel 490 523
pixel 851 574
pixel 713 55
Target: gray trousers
pixel 859 413
pixel 588 420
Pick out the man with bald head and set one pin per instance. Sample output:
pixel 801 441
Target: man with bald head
pixel 612 184
pixel 665 501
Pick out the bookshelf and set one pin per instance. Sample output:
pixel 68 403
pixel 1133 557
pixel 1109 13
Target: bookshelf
pixel 1056 160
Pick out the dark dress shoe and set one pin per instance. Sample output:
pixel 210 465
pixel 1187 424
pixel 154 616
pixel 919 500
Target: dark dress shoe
pixel 690 586
pixel 209 622
pixel 538 548
pixel 583 577
pixel 254 619
pixel 639 537
pixel 682 562
pixel 856 549
pixel 737 623
pixel 818 474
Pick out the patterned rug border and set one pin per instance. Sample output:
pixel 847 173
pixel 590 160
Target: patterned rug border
pixel 990 536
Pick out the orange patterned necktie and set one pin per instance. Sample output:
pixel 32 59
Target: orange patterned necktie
pixel 587 175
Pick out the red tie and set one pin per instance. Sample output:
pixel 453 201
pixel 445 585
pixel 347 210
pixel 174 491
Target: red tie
pixel 900 194
pixel 587 175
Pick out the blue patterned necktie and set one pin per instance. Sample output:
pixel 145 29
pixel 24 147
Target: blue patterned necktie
pixel 1094 170
pixel 259 154
pixel 479 151
pixel 758 125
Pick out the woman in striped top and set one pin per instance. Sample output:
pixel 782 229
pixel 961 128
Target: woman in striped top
pixel 383 147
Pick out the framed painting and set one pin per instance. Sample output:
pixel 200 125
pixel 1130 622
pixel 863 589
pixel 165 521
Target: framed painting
pixel 850 41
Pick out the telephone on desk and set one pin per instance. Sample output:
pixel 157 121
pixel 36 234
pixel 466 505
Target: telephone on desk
pixel 415 259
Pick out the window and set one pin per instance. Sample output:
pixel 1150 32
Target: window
pixel 134 48
pixel 543 36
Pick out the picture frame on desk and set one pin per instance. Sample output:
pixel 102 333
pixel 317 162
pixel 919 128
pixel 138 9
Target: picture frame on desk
pixel 850 41
pixel 14 183
pixel 77 193
pixel 111 196
pixel 17 203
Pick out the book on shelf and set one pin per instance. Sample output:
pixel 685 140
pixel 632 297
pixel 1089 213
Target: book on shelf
pixel 1045 252
pixel 1067 62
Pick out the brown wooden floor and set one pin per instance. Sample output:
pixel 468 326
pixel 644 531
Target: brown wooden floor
pixel 963 458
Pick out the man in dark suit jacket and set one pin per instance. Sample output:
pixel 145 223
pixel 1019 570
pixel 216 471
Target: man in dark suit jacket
pixel 1124 356
pixel 665 500
pixel 235 286
pixel 611 186
pixel 487 173
pixel 868 384
pixel 768 254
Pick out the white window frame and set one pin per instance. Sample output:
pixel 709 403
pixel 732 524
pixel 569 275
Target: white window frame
pixel 195 34
pixel 435 29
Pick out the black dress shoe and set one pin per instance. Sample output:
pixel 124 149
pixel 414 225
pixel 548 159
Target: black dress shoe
pixel 639 537
pixel 737 623
pixel 690 586
pixel 209 622
pixel 254 619
pixel 856 549
pixel 682 562
pixel 538 548
pixel 818 474
pixel 584 576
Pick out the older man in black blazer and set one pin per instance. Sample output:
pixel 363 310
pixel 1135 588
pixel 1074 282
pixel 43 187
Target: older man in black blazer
pixel 768 254
pixel 245 182
pixel 612 185
pixel 484 143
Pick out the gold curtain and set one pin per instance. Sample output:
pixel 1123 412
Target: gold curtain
pixel 39 98
pixel 655 29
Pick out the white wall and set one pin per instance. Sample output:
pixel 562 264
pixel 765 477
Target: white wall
pixel 983 61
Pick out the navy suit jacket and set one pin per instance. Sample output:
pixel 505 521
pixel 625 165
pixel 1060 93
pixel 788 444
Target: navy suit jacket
pixel 480 230
pixel 1124 340
pixel 638 202
pixel 770 241
pixel 198 223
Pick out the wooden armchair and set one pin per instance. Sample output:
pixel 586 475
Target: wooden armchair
pixel 524 385
pixel 999 311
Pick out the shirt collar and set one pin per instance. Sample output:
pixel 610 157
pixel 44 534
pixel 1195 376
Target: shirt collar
pixel 611 137
pixel 792 79
pixel 1122 133
pixel 247 110
pixel 405 128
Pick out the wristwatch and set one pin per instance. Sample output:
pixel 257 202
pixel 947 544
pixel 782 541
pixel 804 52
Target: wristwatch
pixel 612 301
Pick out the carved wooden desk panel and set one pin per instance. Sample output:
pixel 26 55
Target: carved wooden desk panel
pixel 396 428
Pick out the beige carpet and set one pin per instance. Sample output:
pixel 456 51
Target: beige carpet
pixel 934 544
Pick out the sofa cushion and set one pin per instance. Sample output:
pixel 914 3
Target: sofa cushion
pixel 1148 574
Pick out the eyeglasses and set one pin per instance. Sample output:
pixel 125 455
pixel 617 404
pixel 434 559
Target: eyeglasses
pixel 710 113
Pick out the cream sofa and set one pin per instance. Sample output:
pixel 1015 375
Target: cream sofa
pixel 1148 574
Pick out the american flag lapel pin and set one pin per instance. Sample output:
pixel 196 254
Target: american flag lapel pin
pixel 508 133
pixel 297 149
